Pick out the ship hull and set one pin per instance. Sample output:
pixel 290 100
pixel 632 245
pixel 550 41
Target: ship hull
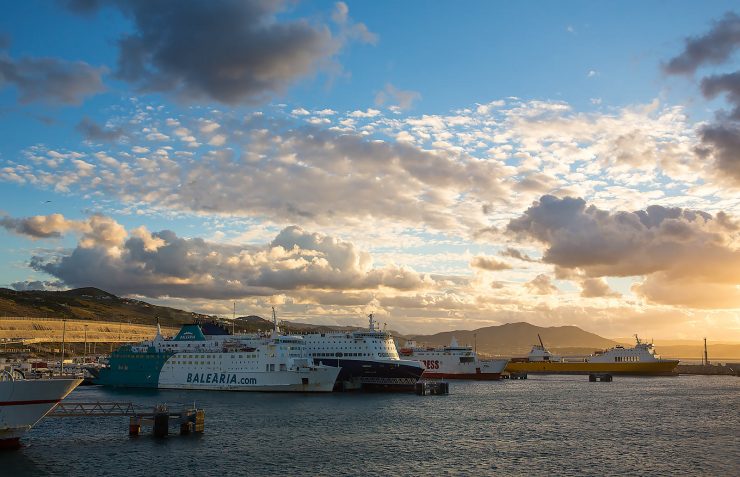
pixel 23 403
pixel 320 379
pixel 223 372
pixel 660 368
pixel 489 370
pixel 369 375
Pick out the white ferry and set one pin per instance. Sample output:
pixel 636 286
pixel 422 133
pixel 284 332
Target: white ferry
pixel 454 362
pixel 368 358
pixel 215 360
pixel 24 402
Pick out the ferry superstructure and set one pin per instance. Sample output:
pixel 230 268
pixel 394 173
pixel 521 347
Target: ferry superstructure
pixel 24 402
pixel 368 358
pixel 218 361
pixel 638 360
pixel 454 362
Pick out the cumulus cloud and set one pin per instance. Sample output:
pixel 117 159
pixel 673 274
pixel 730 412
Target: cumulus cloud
pixel 719 139
pixel 596 288
pixel 670 246
pixel 92 131
pixel 40 226
pixel 489 263
pixel 95 231
pixel 230 51
pixel 714 47
pixel 163 264
pixel 50 80
pixel 542 285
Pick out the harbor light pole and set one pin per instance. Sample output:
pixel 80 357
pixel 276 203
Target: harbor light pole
pixel 64 330
pixel 84 355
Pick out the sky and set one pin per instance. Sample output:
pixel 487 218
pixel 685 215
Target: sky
pixel 442 165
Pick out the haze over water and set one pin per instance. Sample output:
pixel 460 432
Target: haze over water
pixel 554 425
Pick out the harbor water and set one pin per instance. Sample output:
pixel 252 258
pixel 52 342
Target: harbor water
pixel 545 425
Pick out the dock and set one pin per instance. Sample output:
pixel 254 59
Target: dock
pixel 161 418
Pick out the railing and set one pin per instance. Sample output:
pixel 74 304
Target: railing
pixel 76 409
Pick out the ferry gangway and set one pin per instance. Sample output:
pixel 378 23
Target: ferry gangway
pixel 78 409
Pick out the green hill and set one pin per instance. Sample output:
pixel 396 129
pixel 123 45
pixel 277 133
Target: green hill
pixel 89 304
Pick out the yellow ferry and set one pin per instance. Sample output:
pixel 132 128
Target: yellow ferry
pixel 640 360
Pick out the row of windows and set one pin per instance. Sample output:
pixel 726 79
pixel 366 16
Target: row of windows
pixel 626 359
pixel 338 355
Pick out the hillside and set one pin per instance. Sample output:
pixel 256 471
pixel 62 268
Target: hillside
pixel 516 339
pixel 89 304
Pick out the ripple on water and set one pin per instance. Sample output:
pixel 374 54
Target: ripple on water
pixel 545 425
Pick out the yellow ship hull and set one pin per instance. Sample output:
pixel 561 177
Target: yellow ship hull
pixel 545 367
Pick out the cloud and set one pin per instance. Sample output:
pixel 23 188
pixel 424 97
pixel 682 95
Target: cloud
pixel 50 80
pixel 542 285
pixel 92 131
pixel 40 226
pixel 38 285
pixel 670 246
pixel 304 173
pixel 713 48
pixel 348 28
pixel 719 139
pixel 163 264
pixel 392 95
pixel 231 51
pixel 596 288
pixel 514 253
pixel 95 231
pixel 488 263
pixel 722 141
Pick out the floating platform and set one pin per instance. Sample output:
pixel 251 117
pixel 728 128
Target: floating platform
pixel 432 388
pixel 603 377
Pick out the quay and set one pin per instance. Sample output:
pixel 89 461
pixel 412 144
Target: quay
pixel 727 369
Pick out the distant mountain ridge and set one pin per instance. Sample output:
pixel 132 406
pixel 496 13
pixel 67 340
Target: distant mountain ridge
pixel 516 339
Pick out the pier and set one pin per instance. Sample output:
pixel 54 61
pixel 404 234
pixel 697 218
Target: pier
pixel 160 418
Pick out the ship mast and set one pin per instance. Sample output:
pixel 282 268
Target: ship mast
pixel 372 322
pixel 541 343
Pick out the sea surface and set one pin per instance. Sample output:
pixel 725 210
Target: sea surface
pixel 547 425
